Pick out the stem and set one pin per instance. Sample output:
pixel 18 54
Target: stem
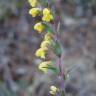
pixel 59 64
pixel 61 69
pixel 61 74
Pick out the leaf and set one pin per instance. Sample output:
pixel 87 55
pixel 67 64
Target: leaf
pixel 57 49
pixel 62 93
pixel 47 27
pixel 58 28
pixel 45 2
pixel 54 69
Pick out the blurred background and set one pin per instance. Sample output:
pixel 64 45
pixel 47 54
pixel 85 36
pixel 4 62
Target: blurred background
pixel 19 74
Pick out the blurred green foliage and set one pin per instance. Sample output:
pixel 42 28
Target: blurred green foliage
pixel 4 90
pixel 8 7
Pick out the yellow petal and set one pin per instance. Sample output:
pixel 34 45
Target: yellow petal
pixel 44 66
pixel 53 90
pixel 39 27
pixel 47 18
pixel 48 36
pixel 45 43
pixel 41 53
pixel 34 11
pixel 46 11
pixel 33 3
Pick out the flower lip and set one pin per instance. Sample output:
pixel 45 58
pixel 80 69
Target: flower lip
pixel 53 90
pixel 43 66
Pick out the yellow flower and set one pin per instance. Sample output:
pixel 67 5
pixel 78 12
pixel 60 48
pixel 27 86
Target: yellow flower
pixel 47 18
pixel 45 43
pixel 39 27
pixel 48 36
pixel 47 15
pixel 44 66
pixel 34 11
pixel 41 52
pixel 53 90
pixel 46 11
pixel 33 3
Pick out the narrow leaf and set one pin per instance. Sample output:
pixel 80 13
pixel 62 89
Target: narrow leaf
pixel 54 69
pixel 57 49
pixel 58 28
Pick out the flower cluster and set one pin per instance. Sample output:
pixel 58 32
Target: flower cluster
pixel 44 13
pixel 41 52
pixel 46 17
